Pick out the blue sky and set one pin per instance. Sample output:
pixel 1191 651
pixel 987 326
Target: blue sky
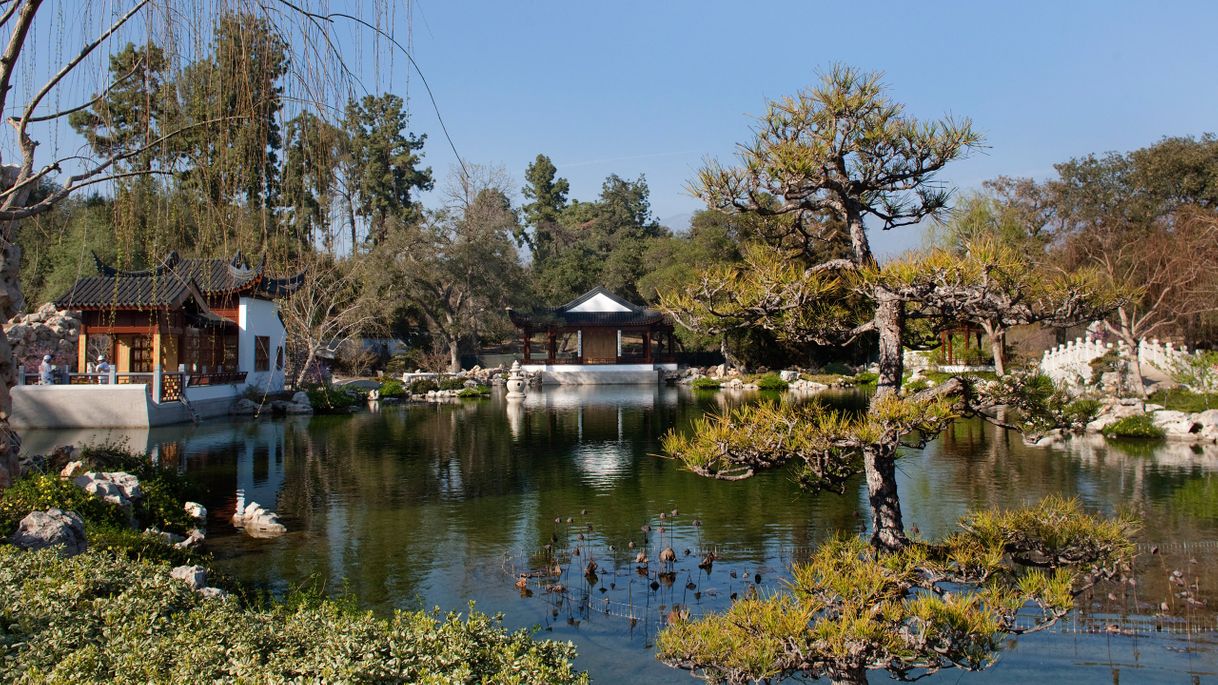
pixel 655 87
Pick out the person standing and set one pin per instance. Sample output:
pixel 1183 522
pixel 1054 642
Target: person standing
pixel 103 368
pixel 46 371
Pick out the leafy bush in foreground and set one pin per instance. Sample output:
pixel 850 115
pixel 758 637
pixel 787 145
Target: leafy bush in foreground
pixel 1137 426
pixel 41 491
pixel 97 619
pixel 705 383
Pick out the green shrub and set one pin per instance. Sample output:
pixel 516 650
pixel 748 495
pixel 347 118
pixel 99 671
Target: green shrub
pixel 475 392
pixel 451 383
pixel 330 400
pixel 865 378
pixel 1081 412
pixel 1137 426
pixel 392 388
pixel 96 618
pixel 771 381
pixel 41 491
pixel 705 383
pixel 837 369
pixel 917 385
pixel 422 386
pixel 1183 400
pixel 398 363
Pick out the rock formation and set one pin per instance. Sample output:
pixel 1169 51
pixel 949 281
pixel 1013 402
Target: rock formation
pixel 50 528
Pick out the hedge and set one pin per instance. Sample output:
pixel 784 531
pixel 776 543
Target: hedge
pixel 96 618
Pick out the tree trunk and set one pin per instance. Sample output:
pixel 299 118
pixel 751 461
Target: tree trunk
pixel 454 355
pixel 1131 344
pixel 998 346
pixel 11 302
pixel 856 675
pixel 879 461
pixel 887 527
pixel 890 322
pixel 304 370
pixel 728 358
pixel 858 235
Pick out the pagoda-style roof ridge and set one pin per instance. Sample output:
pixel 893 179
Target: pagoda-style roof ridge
pixel 162 284
pixel 599 290
pixel 570 315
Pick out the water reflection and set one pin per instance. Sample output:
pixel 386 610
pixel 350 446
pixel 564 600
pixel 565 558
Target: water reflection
pixel 436 504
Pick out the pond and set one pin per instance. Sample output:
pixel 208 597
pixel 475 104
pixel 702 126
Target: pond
pixel 427 506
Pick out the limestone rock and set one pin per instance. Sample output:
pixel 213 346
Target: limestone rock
pixel 50 528
pixel 194 576
pixel 279 407
pixel 244 407
pixel 789 376
pixel 164 536
pixel 258 522
pixel 300 397
pixel 212 593
pixel 803 385
pixel 1176 424
pixel 1207 434
pixel 1207 418
pixel 193 539
pixel 46 331
pixel 73 469
pixel 195 511
pixel 117 487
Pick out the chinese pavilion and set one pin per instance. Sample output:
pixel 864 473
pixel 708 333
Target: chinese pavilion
pixel 596 338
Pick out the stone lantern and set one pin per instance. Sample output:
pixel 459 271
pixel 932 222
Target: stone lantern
pixel 515 382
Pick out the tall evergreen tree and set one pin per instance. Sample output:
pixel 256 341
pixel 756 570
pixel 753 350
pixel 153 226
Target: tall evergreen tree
pixel 128 115
pixel 314 151
pixel 548 198
pixel 384 163
pixel 228 105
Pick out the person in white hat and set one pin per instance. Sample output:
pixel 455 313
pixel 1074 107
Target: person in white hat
pixel 46 371
pixel 103 367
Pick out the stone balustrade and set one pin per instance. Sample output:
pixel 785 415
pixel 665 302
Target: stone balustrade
pixel 1070 363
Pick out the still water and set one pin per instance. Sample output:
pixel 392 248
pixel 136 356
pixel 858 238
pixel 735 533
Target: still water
pixel 435 505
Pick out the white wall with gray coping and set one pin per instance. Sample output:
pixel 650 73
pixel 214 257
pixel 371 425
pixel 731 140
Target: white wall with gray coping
pixel 112 406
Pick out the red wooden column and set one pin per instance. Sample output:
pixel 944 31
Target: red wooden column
pixel 647 346
pixel 551 346
pixel 525 335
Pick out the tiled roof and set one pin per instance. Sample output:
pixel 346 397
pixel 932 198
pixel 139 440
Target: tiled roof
pixel 562 316
pixel 168 283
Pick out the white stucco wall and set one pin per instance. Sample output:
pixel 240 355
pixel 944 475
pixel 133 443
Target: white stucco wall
pixel 260 317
